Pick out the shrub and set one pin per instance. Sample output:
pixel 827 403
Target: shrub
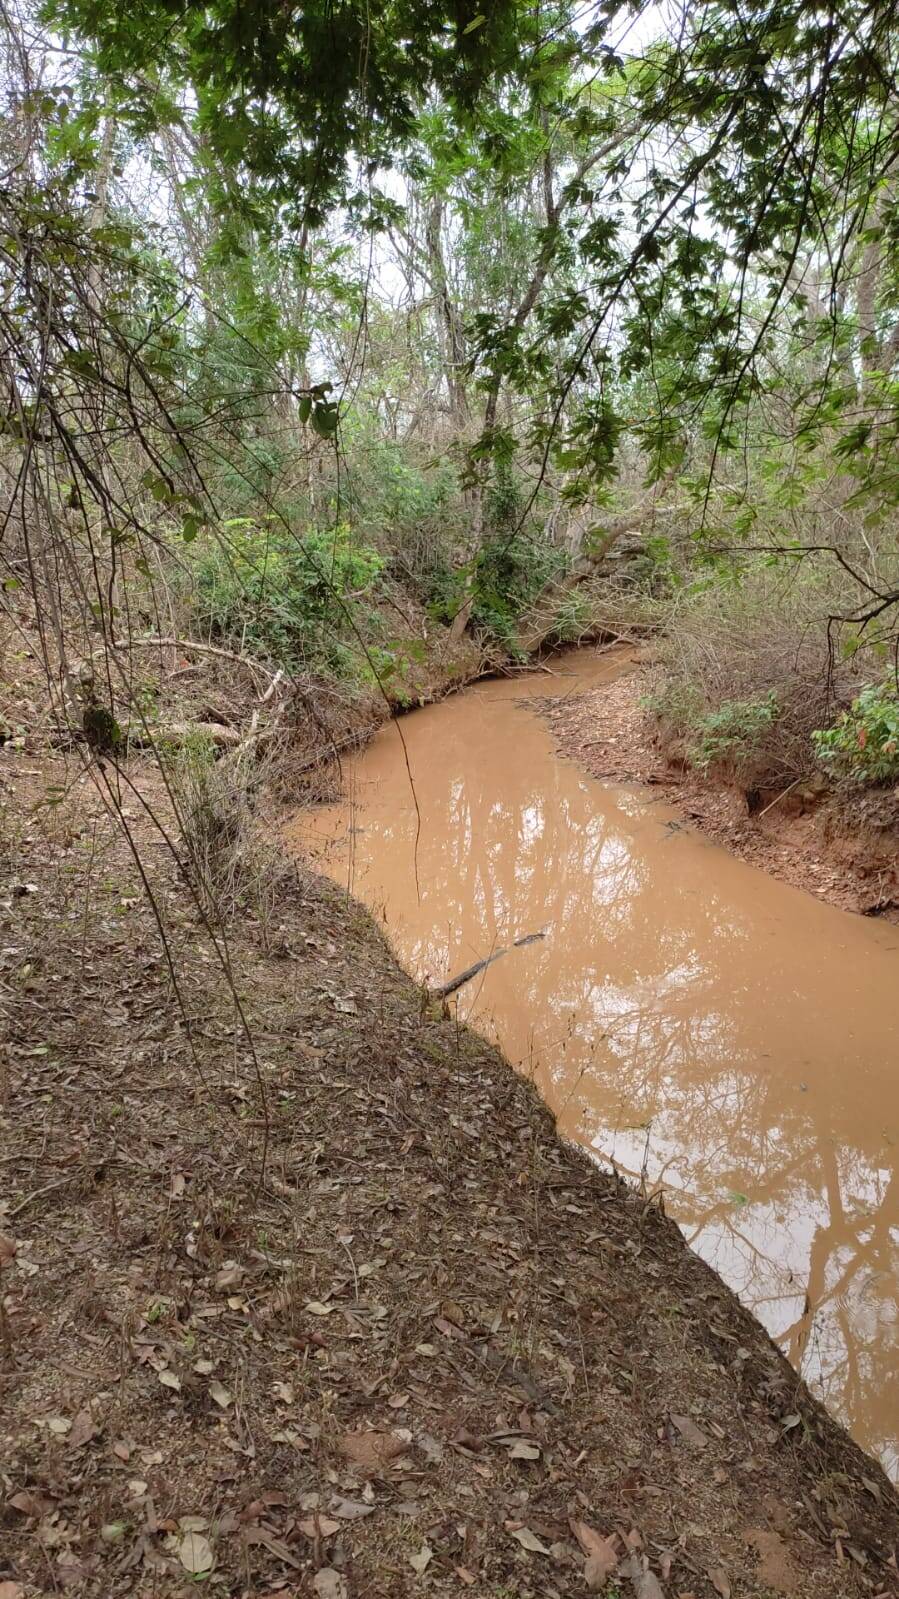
pixel 733 732
pixel 744 669
pixel 509 573
pixel 284 598
pixel 405 502
pixel 230 859
pixel 864 743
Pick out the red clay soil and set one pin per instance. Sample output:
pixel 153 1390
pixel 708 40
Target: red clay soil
pixel 842 848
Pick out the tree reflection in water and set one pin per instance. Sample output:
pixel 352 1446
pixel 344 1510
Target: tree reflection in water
pixel 712 1032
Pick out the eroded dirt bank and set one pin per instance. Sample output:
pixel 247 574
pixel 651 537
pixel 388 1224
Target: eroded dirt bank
pixel 844 849
pixel 434 1351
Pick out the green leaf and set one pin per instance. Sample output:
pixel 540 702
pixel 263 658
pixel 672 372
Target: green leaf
pixel 324 420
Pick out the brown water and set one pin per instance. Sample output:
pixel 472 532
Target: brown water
pixel 706 1029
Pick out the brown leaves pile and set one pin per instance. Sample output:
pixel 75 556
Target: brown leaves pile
pixel 601 1553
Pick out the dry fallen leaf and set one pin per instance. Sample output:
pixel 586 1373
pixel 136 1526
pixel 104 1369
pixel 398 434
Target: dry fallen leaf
pixel 316 1307
pixel 329 1584
pixel 8 1248
pixel 422 1560
pixel 83 1430
pixel 220 1394
pixel 776 1567
pixel 169 1379
pixel 370 1449
pixel 59 1425
pixel 319 1527
pixel 718 1579
pixel 11 1590
pixel 689 1431
pixel 646 1583
pixel 195 1553
pixel 530 1541
pixel 522 1450
pixel 601 1554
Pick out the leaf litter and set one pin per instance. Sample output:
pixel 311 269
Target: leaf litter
pixel 510 1323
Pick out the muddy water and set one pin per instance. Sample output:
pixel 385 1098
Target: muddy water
pixel 704 1028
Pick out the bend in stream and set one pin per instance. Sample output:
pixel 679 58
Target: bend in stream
pixel 702 1027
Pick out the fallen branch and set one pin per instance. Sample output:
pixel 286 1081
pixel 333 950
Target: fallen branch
pixel 272 686
pixel 178 733
pixel 195 647
pixel 445 989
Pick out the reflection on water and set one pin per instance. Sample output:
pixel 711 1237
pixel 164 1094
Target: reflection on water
pixel 710 1031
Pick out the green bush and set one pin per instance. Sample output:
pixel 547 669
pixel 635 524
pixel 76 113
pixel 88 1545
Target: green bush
pixel 404 502
pixel 509 573
pixel 733 731
pixel 864 743
pixel 290 600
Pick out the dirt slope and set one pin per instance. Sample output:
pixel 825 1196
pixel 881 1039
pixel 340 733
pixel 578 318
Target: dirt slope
pixel 429 1350
pixel 844 848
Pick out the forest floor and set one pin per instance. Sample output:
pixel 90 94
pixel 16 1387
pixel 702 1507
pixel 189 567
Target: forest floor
pixel 841 846
pixel 302 1294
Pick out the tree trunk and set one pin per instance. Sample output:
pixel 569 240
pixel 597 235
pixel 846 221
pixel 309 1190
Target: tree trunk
pixel 449 322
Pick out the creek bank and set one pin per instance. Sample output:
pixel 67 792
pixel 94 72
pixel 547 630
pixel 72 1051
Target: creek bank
pixel 841 846
pixel 432 1349
pixel 692 1021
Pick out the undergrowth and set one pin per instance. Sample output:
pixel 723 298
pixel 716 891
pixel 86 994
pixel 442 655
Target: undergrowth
pixel 744 677
pixel 232 865
pixel 863 744
pixel 298 602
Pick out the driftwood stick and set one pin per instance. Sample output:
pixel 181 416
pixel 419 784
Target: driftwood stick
pixel 272 686
pixel 444 990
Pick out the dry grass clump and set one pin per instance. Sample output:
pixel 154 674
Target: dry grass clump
pixel 230 857
pixel 746 676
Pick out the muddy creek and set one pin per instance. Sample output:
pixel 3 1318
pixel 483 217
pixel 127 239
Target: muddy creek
pixel 709 1031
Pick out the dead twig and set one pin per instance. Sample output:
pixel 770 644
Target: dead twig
pixel 445 989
